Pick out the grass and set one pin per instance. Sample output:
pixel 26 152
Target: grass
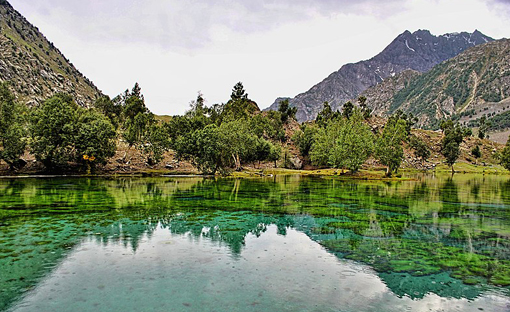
pixel 364 174
pixel 462 167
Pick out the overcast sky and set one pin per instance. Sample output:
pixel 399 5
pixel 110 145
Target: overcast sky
pixel 275 47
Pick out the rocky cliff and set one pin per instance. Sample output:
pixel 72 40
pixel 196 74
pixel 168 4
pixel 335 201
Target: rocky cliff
pixel 35 68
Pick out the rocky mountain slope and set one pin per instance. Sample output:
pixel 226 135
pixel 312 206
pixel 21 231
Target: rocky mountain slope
pixel 35 68
pixel 474 83
pixel 418 51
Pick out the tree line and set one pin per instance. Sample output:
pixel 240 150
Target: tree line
pixel 59 133
pixel 215 139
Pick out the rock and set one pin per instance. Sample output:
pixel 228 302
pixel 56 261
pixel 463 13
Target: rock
pixel 296 163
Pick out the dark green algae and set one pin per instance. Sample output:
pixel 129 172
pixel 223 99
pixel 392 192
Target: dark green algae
pixel 435 232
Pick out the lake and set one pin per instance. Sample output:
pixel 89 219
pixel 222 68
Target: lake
pixel 285 243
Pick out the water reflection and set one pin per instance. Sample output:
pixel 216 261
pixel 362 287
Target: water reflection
pixel 185 272
pixel 435 237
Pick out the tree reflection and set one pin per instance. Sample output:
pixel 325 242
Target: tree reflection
pixel 409 232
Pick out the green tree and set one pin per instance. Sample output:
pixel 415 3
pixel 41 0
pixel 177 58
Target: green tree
pixel 94 138
pixel 476 152
pixel 362 101
pixel 409 120
pixel 389 150
pixel 344 143
pixel 420 148
pixel 62 132
pixel 239 106
pixel 347 110
pixel 52 129
pixel 134 104
pixel 304 138
pixel 136 130
pixel 453 135
pixel 110 109
pixel 274 153
pixel 156 143
pixel 238 92
pixel 241 141
pixel 504 158
pixel 12 128
pixel 207 148
pixel 326 115
pixel 286 111
pixel 484 126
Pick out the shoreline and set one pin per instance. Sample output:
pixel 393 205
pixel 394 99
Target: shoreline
pixel 368 173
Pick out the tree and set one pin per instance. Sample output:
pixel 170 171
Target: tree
pixel 286 111
pixel 62 131
pixel 110 109
pixel 274 154
pixel 389 150
pixel 156 143
pixel 409 120
pixel 240 140
pixel 362 101
pixel 207 148
pixel 238 92
pixel 505 156
pixel 12 128
pixel 239 106
pixel 476 152
pixel 420 148
pixel 347 110
pixel 453 135
pixel 94 138
pixel 53 125
pixel 344 143
pixel 304 138
pixel 484 126
pixel 135 129
pixel 326 115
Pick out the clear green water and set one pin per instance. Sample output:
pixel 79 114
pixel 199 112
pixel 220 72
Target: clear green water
pixel 279 244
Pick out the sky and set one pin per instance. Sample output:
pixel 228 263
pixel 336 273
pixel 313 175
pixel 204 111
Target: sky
pixel 175 49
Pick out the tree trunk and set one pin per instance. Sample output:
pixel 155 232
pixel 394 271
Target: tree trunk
pixel 388 172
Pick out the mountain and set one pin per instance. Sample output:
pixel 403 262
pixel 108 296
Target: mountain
pixel 35 68
pixel 472 84
pixel 419 51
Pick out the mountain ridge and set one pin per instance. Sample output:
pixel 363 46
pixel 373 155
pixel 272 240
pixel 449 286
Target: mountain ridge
pixel 418 51
pixel 471 83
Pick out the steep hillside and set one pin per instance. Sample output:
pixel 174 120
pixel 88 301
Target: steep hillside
pixel 470 85
pixel 419 51
pixel 34 66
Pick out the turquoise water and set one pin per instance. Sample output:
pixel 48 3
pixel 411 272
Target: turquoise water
pixel 279 244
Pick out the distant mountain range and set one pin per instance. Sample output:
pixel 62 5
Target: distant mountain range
pixel 35 68
pixel 472 84
pixel 419 51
